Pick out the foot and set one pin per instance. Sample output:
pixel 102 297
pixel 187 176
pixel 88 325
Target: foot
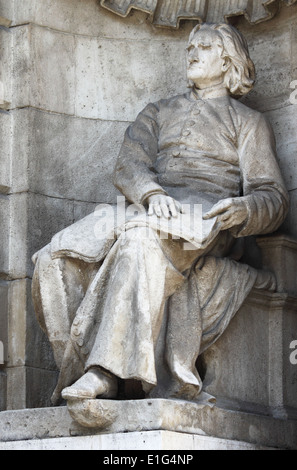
pixel 94 383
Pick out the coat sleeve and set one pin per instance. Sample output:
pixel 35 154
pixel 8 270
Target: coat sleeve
pixel 134 173
pixel 263 189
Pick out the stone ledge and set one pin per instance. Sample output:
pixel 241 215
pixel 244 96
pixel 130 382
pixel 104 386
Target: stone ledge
pixel 154 415
pixel 148 440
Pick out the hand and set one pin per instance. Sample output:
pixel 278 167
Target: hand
pixel 230 212
pixel 163 206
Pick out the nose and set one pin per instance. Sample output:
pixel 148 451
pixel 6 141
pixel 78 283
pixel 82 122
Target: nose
pixel 194 55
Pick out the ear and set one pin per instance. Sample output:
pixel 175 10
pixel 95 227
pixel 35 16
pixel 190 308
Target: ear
pixel 226 64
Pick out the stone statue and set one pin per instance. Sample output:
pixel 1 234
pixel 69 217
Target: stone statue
pixel 141 305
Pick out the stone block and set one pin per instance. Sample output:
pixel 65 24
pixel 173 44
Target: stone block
pixel 26 343
pixel 294 50
pixel 284 124
pixel 290 225
pixel 13 231
pixel 149 440
pixel 15 148
pixel 6 44
pixel 5 141
pixel 37 78
pixel 40 385
pixel 16 388
pixel 270 49
pixel 17 80
pixel 28 223
pixel 84 80
pixel 3 320
pixel 248 367
pixel 3 389
pixel 29 387
pixel 216 422
pixel 47 216
pixel 144 70
pixel 69 157
pixel 30 374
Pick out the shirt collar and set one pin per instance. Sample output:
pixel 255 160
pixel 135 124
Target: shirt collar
pixel 209 93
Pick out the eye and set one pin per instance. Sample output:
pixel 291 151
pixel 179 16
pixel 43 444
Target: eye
pixel 205 46
pixel 190 47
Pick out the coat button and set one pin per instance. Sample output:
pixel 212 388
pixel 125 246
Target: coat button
pixel 186 132
pixel 191 123
pixel 176 153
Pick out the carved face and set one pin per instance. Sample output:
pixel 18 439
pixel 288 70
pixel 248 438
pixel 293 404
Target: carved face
pixel 205 66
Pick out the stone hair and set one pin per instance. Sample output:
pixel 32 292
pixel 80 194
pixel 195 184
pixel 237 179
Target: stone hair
pixel 240 76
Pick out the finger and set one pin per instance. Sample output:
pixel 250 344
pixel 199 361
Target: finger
pixel 179 207
pixel 218 208
pixel 165 211
pixel 157 210
pixel 151 209
pixel 173 209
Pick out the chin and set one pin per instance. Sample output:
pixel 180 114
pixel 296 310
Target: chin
pixel 196 80
pixel 195 76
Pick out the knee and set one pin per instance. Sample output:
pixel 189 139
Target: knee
pixel 42 256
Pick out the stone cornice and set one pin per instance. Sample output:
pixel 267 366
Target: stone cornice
pixel 168 13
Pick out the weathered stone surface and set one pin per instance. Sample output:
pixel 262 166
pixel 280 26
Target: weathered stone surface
pixel 290 225
pixel 87 76
pixel 59 155
pixel 71 158
pixel 114 415
pixel 5 139
pixel 4 286
pixel 273 65
pixel 3 389
pixel 261 354
pixel 26 343
pixel 30 368
pixel 147 440
pixel 28 222
pixel 13 214
pixel 29 387
pixel 216 422
pixel 284 124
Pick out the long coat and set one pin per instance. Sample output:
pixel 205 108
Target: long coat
pixel 198 151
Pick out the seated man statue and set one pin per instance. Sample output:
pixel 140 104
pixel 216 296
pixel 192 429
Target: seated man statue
pixel 102 301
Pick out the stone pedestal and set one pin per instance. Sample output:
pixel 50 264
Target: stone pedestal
pixel 148 424
pixel 136 441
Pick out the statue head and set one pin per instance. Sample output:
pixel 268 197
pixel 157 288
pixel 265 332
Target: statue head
pixel 218 54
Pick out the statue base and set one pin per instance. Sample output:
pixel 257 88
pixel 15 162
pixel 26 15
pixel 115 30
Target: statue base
pixel 145 424
pixel 136 441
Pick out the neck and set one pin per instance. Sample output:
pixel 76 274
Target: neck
pixel 215 91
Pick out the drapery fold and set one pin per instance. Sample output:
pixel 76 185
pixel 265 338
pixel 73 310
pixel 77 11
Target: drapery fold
pixel 168 13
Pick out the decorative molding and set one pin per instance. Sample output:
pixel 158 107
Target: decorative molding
pixel 168 13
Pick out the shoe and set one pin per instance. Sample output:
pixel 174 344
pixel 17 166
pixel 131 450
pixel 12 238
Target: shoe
pixel 94 383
